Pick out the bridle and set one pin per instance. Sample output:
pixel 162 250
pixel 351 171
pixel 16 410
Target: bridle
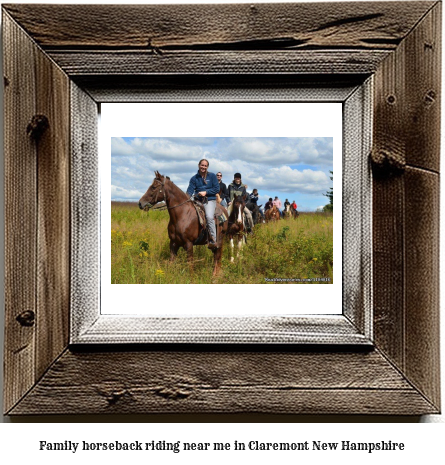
pixel 240 207
pixel 162 186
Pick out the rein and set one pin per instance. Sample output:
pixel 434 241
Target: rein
pixel 234 222
pixel 188 200
pixel 162 185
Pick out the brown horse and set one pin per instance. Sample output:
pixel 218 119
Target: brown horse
pixel 236 224
pixel 272 214
pixel 184 228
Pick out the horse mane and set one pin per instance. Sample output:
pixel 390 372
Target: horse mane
pixel 159 176
pixel 241 199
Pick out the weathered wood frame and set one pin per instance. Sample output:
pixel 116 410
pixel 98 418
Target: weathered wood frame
pixel 78 56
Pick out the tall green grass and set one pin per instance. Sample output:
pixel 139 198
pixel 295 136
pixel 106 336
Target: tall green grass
pixel 298 250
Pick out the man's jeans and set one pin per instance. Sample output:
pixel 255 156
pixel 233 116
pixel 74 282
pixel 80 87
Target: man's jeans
pixel 209 208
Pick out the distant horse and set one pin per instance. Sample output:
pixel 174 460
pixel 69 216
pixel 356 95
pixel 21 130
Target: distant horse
pixel 236 224
pixel 272 214
pixel 289 213
pixel 184 228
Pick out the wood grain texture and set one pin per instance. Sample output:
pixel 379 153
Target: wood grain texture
pixel 388 198
pixel 218 88
pixel 154 27
pixel 224 39
pixel 85 212
pixel 122 63
pixel 223 382
pixel 423 92
pixel 20 213
pixel 422 281
pixel 53 226
pixel 112 329
pixel 406 278
pixel 388 268
pixel 357 215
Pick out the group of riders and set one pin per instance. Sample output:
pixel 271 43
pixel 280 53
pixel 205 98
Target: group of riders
pixel 209 189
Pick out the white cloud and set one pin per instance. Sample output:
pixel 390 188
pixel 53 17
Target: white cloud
pixel 119 147
pixel 288 180
pixel 119 193
pixel 273 151
pixel 263 162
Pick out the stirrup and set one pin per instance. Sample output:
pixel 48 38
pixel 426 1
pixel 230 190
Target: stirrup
pixel 211 242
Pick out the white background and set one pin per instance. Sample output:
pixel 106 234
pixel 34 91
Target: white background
pixel 227 120
pixel 19 441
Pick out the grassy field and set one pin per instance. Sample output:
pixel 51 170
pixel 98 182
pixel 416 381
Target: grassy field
pixel 299 250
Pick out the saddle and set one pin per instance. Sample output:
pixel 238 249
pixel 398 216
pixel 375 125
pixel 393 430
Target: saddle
pixel 220 218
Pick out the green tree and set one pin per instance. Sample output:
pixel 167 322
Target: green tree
pixel 330 195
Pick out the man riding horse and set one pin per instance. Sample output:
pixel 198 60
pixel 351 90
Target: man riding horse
pixel 204 185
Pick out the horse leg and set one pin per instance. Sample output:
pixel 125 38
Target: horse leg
pixel 173 251
pixel 188 247
pixel 231 250
pixel 217 261
pixel 240 246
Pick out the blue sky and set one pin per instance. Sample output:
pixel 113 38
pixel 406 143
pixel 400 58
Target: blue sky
pixel 294 168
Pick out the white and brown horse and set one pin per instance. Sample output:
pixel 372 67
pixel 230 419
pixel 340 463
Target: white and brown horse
pixel 289 213
pixel 236 228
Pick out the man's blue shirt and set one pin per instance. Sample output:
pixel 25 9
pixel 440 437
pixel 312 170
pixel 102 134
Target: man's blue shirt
pixel 197 185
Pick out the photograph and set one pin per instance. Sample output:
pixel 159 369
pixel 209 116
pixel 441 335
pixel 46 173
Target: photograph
pixel 155 191
pixel 224 210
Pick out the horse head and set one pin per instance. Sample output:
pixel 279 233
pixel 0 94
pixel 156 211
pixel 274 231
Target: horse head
pixel 239 204
pixel 155 193
pixel 272 214
pixel 287 212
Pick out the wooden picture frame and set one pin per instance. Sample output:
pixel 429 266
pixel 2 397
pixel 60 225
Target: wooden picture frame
pixel 57 70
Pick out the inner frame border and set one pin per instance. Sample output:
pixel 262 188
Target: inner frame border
pixel 353 327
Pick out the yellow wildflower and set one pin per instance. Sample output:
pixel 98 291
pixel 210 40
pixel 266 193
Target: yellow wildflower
pixel 127 244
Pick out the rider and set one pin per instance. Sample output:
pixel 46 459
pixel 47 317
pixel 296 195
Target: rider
pixel 236 188
pixel 277 203
pixel 294 205
pixel 205 185
pixel 268 205
pixel 286 203
pixel 223 190
pixel 254 199
pixel 254 196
